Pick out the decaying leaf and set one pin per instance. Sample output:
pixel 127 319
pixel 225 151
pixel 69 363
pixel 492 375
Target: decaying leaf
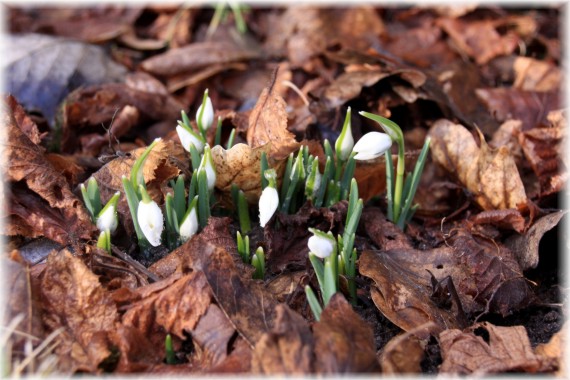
pixel 43 204
pixel 535 75
pixel 509 219
pixel 525 247
pixel 556 349
pixel 343 341
pixel 490 174
pixel 268 125
pixel 403 353
pixel 212 334
pixel 288 349
pixel 241 165
pixel 507 349
pixel 74 299
pixel 198 55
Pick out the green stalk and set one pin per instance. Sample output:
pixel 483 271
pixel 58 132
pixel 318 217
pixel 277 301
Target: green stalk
pixel 389 185
pixel 137 177
pixel 133 202
pixel 319 269
pixel 230 142
pixel 327 175
pixel 169 349
pixel 264 167
pixel 313 303
pixel 243 213
pixel 218 138
pixel 286 178
pixel 329 281
pixel 179 197
pixel 204 197
pixel 195 157
pixel 347 176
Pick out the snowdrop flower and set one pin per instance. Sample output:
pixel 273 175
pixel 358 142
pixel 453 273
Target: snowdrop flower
pixel 189 225
pixel 207 163
pixel 150 218
pixel 372 145
pixel 205 113
pixel 188 137
pixel 345 141
pixel 107 219
pixel 321 244
pixel 269 200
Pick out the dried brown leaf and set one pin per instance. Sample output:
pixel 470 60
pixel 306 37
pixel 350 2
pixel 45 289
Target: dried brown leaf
pixel 43 204
pixel 268 124
pixel 74 299
pixel 525 247
pixel 478 40
pixel 506 350
pixel 403 353
pixel 534 75
pixel 343 341
pixel 287 349
pixel 555 350
pixel 530 107
pixel 509 219
pixel 212 334
pixel 198 55
pixel 490 174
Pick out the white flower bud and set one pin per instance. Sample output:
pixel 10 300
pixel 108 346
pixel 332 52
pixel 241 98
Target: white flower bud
pixel 187 137
pixel 372 145
pixel 208 115
pixel 321 244
pixel 150 221
pixel 189 225
pixel 268 203
pixel 107 220
pixel 208 164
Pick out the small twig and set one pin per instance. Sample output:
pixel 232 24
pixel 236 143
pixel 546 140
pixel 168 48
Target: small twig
pixel 135 264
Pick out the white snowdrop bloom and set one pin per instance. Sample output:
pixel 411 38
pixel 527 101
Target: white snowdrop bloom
pixel 268 203
pixel 321 244
pixel 187 137
pixel 150 221
pixel 189 225
pixel 207 163
pixel 107 219
pixel 208 116
pixel 372 145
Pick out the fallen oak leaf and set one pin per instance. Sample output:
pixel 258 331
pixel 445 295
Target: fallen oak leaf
pixel 490 174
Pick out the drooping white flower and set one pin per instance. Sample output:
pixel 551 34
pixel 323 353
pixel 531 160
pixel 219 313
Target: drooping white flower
pixel 207 116
pixel 188 137
pixel 189 225
pixel 268 203
pixel 107 219
pixel 321 244
pixel 150 219
pixel 371 146
pixel 207 163
pixel 345 141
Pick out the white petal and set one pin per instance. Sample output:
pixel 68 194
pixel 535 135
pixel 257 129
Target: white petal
pixel 372 145
pixel 346 144
pixel 107 220
pixel 189 225
pixel 150 221
pixel 186 138
pixel 320 246
pixel 210 175
pixel 208 116
pixel 268 203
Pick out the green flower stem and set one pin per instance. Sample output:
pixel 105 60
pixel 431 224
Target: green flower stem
pixel 195 157
pixel 258 261
pixel 218 138
pixel 137 177
pixel 243 213
pixel 347 176
pixel 179 197
pixel 204 198
pixel 330 282
pixel 319 269
pixel 264 166
pixel 389 185
pixel 104 241
pixel 133 202
pixel 313 303
pixel 401 167
pixel 172 228
pixel 231 139
pixel 327 175
pixel 169 350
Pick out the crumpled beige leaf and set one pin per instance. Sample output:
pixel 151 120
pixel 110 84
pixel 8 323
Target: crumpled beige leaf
pixel 268 124
pixel 555 349
pixel 490 174
pixel 507 349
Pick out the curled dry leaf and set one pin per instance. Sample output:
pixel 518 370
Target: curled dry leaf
pixel 268 124
pixel 343 341
pixel 212 334
pixel 507 349
pixel 534 75
pixel 43 204
pixel 509 219
pixel 74 299
pixel 490 174
pixel 287 349
pixel 403 353
pixel 525 247
pixel 198 55
pixel 241 165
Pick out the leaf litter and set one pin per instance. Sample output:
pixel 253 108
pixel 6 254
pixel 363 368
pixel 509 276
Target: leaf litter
pixel 482 83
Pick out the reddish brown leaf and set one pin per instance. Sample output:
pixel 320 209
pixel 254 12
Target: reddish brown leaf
pixel 176 309
pixel 530 107
pixel 490 174
pixel 343 341
pixel 479 40
pixel 506 350
pixel 212 334
pixel 403 353
pixel 509 218
pixel 535 75
pixel 198 55
pixel 525 247
pixel 268 125
pixel 48 208
pixel 287 349
pixel 74 299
